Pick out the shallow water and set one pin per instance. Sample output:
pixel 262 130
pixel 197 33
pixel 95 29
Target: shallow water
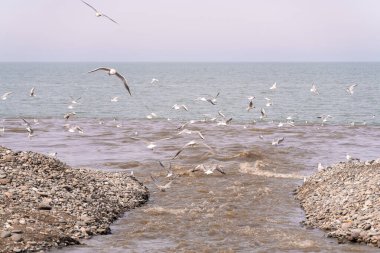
pixel 247 210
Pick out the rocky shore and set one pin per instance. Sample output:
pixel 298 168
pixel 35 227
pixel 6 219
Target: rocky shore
pixel 344 201
pixel 44 203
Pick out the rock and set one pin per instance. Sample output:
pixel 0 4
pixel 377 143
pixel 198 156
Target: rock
pixel 5 181
pixel 16 231
pixel 16 237
pixel 5 234
pixel 44 206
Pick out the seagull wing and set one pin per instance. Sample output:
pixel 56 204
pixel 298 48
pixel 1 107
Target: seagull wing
pixel 90 6
pixel 124 81
pixel 104 15
pixel 26 122
pixel 102 68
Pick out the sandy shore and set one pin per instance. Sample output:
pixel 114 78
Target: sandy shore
pixel 44 203
pixel 344 200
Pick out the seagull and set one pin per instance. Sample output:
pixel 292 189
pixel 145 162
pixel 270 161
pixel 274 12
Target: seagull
pixel 277 141
pixel 28 128
pixel 324 118
pixel 177 107
pixel 314 89
pixel 32 92
pixel 151 115
pixel 320 167
pixel 68 115
pixel 250 105
pixel 52 154
pixel 169 170
pixel 187 131
pixel 351 159
pixel 154 80
pixel 99 14
pixel 269 102
pixel 263 113
pixel 5 96
pixel 350 89
pixel 115 99
pixel 75 101
pixel 224 123
pixel 210 169
pixel 114 72
pixel 190 144
pixel 161 187
pixel 273 87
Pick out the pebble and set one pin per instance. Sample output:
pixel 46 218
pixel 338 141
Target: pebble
pixel 5 234
pixel 16 237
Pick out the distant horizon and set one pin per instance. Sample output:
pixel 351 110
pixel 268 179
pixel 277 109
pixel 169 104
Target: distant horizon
pixel 191 31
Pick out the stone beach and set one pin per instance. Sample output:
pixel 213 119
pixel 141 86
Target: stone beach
pixel 344 201
pixel 45 203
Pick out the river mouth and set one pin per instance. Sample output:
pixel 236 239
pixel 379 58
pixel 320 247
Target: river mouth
pixel 249 209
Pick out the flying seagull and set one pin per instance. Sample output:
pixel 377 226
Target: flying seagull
pixel 210 169
pixel 273 87
pixel 314 89
pixel 98 13
pixel 169 170
pixel 154 80
pixel 350 89
pixel 276 142
pixel 5 96
pixel 32 92
pixel 114 72
pixel 160 187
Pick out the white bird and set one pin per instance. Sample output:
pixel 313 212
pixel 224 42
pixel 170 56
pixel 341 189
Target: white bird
pixel 114 72
pixel 320 167
pixel 190 144
pixel 151 115
pixel 250 104
pixel 350 89
pixel 221 114
pixel 314 89
pixel 52 154
pixel 351 159
pixel 98 13
pixel 115 99
pixel 68 115
pixel 273 87
pixel 5 96
pixel 154 80
pixel 75 100
pixel 28 128
pixel 162 188
pixel 269 102
pixel 169 170
pixel 324 118
pixel 209 169
pixel 32 92
pixel 224 122
pixel 187 131
pixel 263 113
pixel 177 107
pixel 277 141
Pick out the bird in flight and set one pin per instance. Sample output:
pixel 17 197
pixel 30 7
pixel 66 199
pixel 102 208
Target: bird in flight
pixel 98 13
pixel 314 90
pixel 5 96
pixel 273 87
pixel 350 89
pixel 114 72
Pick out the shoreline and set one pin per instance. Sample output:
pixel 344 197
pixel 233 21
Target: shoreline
pixel 45 203
pixel 343 200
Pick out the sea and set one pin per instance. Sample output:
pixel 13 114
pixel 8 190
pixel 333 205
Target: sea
pixel 250 208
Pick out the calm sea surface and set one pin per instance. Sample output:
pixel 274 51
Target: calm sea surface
pixel 251 208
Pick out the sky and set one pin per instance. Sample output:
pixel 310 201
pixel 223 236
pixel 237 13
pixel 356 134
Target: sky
pixel 190 30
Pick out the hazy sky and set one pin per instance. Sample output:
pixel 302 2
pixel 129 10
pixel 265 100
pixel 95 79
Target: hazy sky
pixel 190 30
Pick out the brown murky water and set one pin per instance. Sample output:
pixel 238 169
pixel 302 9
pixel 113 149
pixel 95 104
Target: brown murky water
pixel 249 209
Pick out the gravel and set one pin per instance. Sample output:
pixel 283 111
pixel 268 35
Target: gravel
pixel 45 203
pixel 344 201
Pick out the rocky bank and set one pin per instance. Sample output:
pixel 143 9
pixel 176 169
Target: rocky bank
pixel 344 200
pixel 44 203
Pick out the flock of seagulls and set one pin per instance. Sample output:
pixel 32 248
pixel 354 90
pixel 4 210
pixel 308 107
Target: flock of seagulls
pixel 221 120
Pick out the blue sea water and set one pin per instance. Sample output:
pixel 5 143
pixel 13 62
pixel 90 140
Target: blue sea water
pixel 182 83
